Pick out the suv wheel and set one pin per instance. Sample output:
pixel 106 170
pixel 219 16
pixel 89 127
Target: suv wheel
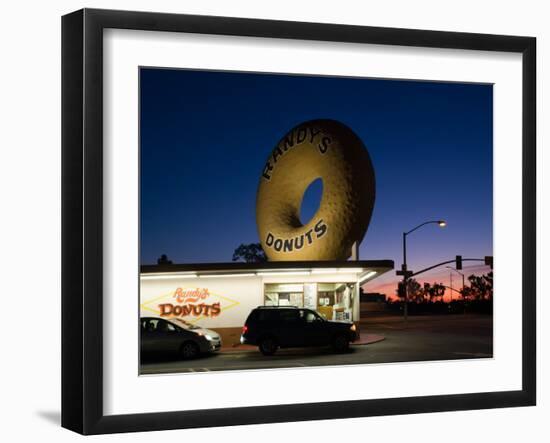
pixel 340 343
pixel 268 346
pixel 189 350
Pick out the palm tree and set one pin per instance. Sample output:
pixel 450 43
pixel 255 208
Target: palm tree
pixel 429 292
pixel 439 290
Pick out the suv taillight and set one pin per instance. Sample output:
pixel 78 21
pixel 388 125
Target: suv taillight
pixel 245 328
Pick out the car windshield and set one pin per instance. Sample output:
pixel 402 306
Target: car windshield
pixel 183 324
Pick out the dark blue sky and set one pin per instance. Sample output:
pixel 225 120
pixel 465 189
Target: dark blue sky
pixel 205 137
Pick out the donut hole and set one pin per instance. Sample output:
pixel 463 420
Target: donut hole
pixel 311 201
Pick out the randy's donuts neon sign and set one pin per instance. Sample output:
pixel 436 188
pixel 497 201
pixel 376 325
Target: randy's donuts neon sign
pixel 187 304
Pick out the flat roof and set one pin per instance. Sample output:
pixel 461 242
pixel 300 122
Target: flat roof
pixel 268 265
pixel 359 267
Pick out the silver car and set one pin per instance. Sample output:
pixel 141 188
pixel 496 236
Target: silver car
pixel 159 335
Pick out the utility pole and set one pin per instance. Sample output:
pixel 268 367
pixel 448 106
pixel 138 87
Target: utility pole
pixel 405 272
pixel 451 284
pixel 405 277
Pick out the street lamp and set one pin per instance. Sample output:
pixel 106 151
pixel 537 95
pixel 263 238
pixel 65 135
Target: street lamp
pixel 441 224
pixel 458 272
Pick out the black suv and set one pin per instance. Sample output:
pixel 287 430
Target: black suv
pixel 273 327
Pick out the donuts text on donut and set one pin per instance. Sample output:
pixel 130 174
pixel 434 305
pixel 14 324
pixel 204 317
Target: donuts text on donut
pixel 298 242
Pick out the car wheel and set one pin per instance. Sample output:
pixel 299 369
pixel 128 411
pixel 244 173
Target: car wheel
pixel 340 343
pixel 268 346
pixel 189 350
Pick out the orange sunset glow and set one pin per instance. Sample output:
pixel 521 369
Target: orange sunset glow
pixel 387 284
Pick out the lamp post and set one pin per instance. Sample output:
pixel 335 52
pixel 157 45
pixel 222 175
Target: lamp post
pixel 458 272
pixel 451 284
pixel 441 224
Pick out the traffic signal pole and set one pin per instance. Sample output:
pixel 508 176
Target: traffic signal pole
pixel 429 268
pixel 404 269
pixel 408 274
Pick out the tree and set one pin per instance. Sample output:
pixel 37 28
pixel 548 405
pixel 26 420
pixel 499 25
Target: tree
pixel 163 260
pixel 466 292
pixel 428 291
pixel 415 293
pixel 489 280
pixel 439 290
pixel 434 290
pixel 481 287
pixel 250 253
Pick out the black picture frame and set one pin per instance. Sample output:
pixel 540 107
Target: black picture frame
pixel 82 215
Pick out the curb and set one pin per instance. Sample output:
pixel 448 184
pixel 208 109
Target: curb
pixel 365 339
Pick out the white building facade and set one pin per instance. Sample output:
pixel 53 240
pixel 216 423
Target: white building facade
pixel 221 296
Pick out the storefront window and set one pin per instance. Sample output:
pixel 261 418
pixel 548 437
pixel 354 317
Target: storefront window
pixel 336 300
pixel 271 299
pixel 277 294
pixel 333 301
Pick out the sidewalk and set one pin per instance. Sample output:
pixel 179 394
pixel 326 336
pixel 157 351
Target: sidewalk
pixel 364 339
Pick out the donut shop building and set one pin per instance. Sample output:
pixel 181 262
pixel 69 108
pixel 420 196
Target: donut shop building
pixel 221 296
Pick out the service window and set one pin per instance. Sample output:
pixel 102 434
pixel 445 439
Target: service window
pixel 284 294
pixel 284 299
pixel 271 299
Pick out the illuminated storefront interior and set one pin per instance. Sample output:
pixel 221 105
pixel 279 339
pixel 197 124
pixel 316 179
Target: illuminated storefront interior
pixel 334 301
pixel 221 296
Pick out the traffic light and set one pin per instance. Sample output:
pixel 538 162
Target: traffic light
pixel 458 262
pixel 489 261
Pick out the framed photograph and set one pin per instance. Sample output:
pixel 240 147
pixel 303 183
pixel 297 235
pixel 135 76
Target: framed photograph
pixel 269 221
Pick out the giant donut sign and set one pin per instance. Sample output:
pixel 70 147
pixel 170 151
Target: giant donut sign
pixel 324 149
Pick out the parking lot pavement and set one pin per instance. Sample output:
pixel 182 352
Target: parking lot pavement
pixel 424 338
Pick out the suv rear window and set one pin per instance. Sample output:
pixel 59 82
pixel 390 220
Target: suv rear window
pixel 266 315
pixel 289 315
pixel 274 316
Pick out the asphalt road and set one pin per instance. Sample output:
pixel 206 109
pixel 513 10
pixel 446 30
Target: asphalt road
pixel 425 338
